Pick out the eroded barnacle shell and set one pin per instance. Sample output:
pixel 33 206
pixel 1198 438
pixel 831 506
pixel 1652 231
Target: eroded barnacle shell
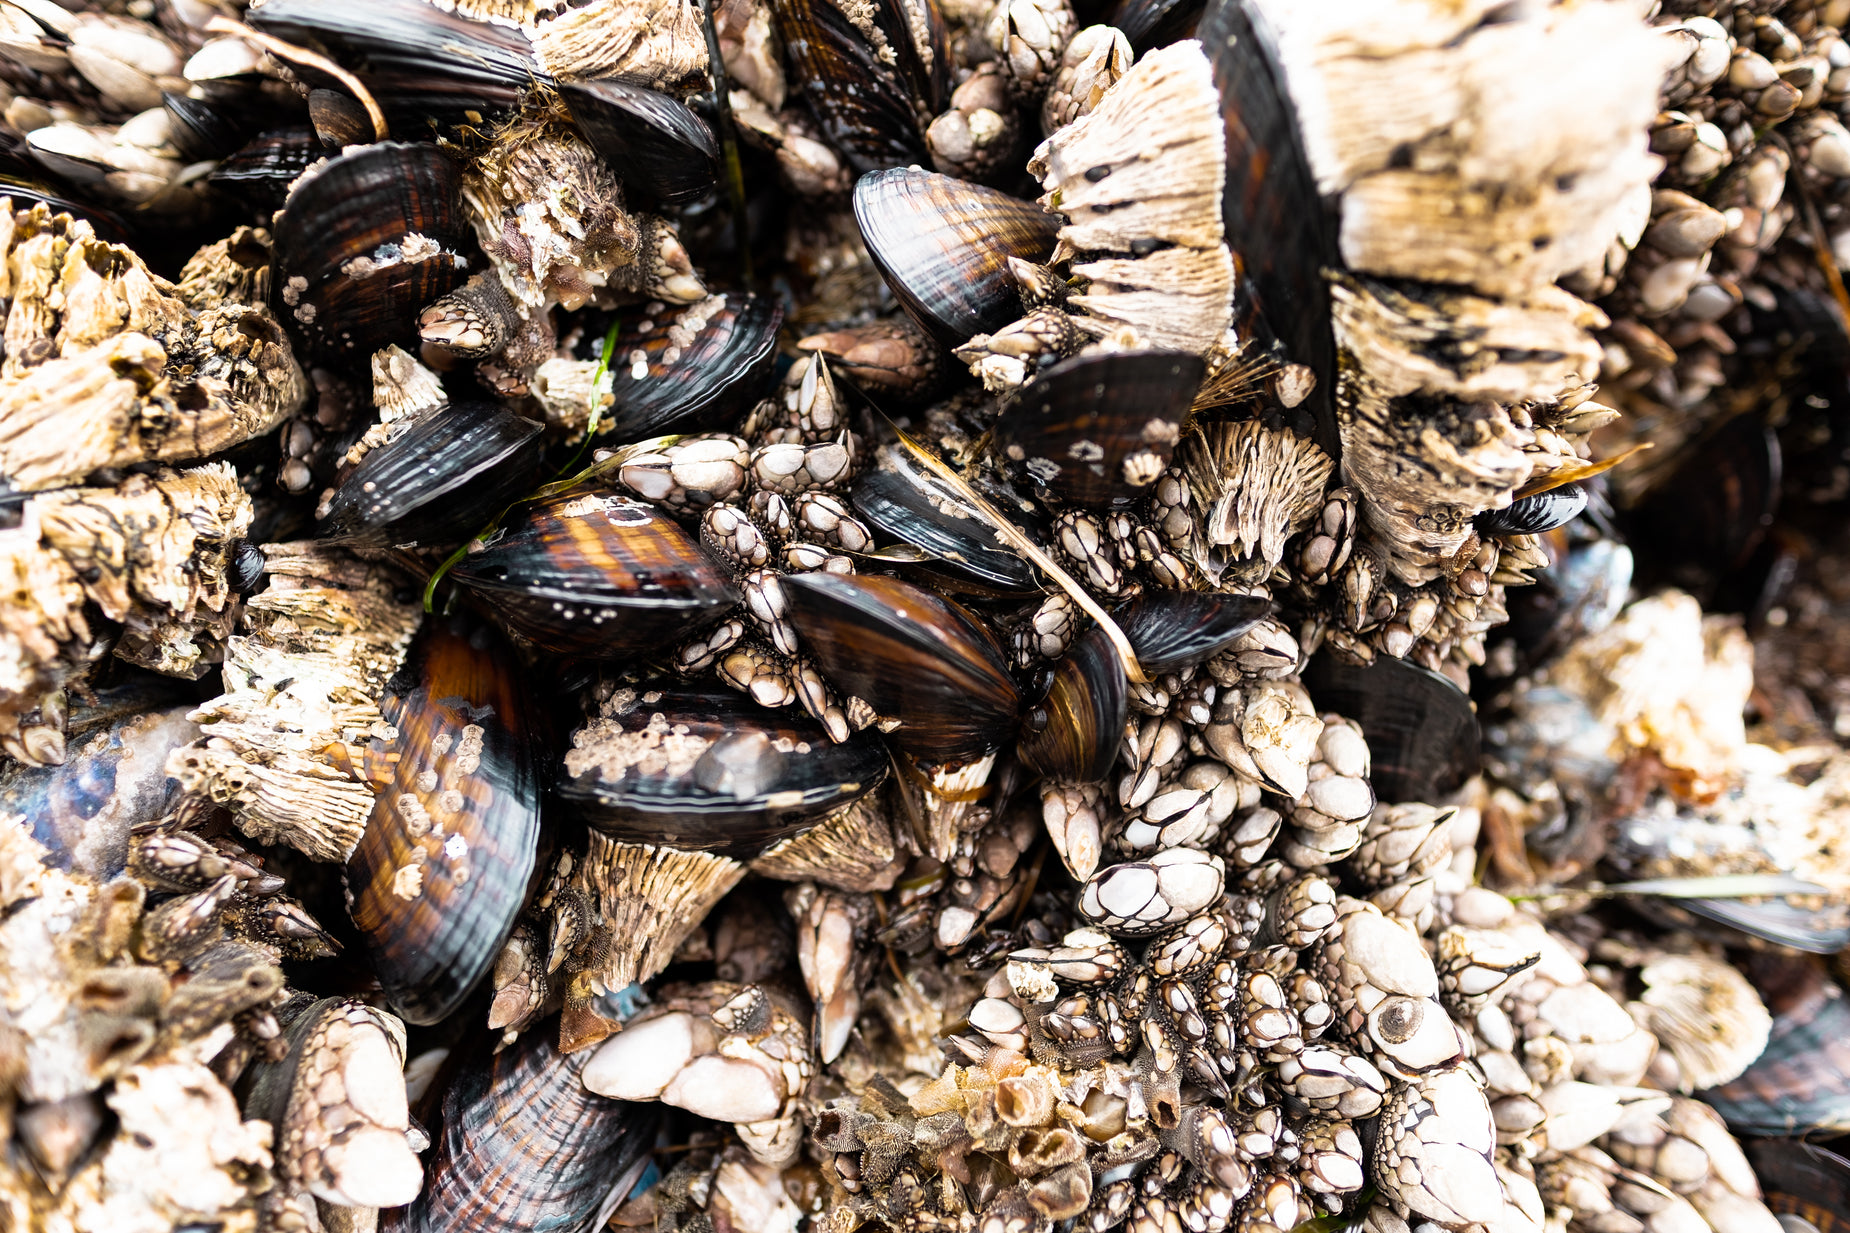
pixel 1147 216
pixel 322 640
pixel 108 365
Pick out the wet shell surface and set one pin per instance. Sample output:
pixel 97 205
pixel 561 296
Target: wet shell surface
pixel 442 870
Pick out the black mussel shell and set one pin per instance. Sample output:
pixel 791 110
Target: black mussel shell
pixel 596 574
pixel 418 60
pixel 899 499
pixel 1073 733
pixel 1155 23
pixel 365 241
pixel 698 766
pixel 1095 428
pixel 655 142
pixel 1282 235
pixel 1798 923
pixel 1172 630
pixel 1533 514
pixel 246 568
pixel 1804 1180
pixel 523 1144
pixel 912 656
pixel 1800 1084
pixel 262 169
pixel 682 386
pixel 27 191
pixel 441 873
pixel 1708 519
pixel 861 104
pixel 202 129
pixel 438 481
pixel 943 247
pixel 931 83
pixel 1422 733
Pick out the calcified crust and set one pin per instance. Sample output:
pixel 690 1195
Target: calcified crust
pixel 44 641
pixel 153 554
pixel 1164 196
pixel 1419 338
pixel 648 899
pixel 107 366
pixel 657 43
pixel 1426 467
pixel 301 700
pixel 78 1013
pixel 853 850
pixel 1257 487
pixel 1492 153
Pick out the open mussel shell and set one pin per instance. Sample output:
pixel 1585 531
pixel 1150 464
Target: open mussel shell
pixel 417 59
pixel 697 766
pixel 596 574
pixel 523 1144
pixel 898 498
pixel 1095 428
pixel 1072 733
pixel 364 242
pixel 1282 235
pixel 1802 1180
pixel 1709 518
pixel 665 382
pixel 943 247
pixel 914 657
pixel 1423 740
pixel 862 105
pixel 1172 630
pixel 655 142
pixel 441 873
pixel 438 481
pixel 1800 1084
pixel 262 169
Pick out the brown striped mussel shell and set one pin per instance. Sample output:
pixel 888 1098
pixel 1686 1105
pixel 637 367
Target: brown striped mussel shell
pixel 596 574
pixel 442 872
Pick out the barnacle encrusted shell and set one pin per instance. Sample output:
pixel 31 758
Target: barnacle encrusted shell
pixel 151 554
pixel 1494 152
pixel 302 685
pixel 109 366
pixel 1139 180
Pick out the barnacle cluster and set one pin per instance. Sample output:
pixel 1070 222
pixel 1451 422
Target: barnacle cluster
pixel 991 616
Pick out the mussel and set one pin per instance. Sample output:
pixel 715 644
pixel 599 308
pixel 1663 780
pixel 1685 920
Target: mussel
pixel 262 169
pixel 418 59
pixel 523 1144
pixel 1171 630
pixel 1094 428
pixel 654 141
pixel 943 247
pixel 1072 733
pixel 1800 1084
pixel 663 380
pixel 1421 729
pixel 899 498
pixel 438 481
pixel 929 669
pixel 441 872
pixel 696 766
pixel 1282 234
pixel 593 573
pixel 862 104
pixel 364 242
pixel 1536 513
